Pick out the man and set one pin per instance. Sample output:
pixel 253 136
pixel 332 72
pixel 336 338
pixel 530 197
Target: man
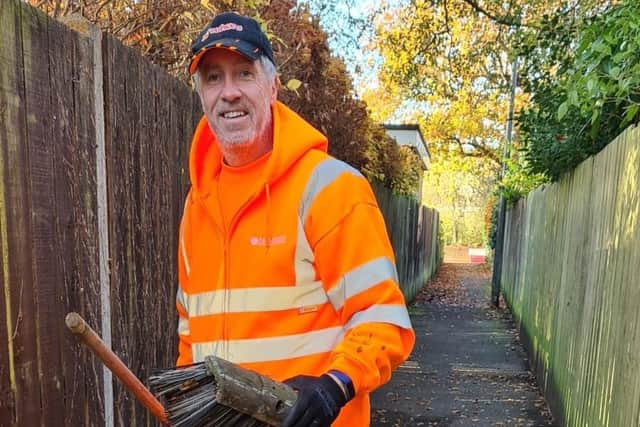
pixel 285 266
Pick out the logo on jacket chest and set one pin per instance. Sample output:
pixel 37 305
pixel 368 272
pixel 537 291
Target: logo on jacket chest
pixel 268 241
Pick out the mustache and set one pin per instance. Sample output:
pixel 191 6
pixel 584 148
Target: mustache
pixel 223 106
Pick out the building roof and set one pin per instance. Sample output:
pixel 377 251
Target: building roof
pixel 410 134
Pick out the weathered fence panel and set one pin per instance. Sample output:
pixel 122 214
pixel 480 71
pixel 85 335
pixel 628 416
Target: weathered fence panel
pixel 570 276
pixel 93 175
pixel 48 224
pixel 413 231
pixel 149 119
pixel 15 201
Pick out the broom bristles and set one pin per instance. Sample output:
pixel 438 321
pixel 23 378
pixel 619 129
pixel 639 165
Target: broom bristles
pixel 188 394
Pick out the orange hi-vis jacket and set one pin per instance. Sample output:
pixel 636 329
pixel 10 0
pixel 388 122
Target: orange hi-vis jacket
pixel 303 281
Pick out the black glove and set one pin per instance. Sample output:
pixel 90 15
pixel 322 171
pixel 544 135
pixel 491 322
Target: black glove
pixel 318 404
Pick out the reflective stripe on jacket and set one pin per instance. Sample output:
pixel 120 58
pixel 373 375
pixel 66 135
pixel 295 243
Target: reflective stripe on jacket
pixel 304 280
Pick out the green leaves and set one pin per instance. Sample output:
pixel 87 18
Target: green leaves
pixel 562 110
pixel 630 114
pixel 293 85
pixel 518 182
pixel 593 94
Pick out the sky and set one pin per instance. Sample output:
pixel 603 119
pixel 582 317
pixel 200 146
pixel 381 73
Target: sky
pixel 336 19
pixel 362 62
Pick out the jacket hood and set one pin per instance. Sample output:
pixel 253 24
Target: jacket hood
pixel 292 138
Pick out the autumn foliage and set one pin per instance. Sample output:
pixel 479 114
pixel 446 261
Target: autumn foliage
pixel 314 83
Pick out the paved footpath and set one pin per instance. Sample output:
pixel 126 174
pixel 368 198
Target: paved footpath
pixel 468 367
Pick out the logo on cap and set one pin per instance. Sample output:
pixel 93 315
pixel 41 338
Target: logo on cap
pixel 221 28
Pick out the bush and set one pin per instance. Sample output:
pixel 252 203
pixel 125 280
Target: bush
pixel 581 101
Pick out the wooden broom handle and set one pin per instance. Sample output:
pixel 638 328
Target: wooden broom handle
pixel 88 336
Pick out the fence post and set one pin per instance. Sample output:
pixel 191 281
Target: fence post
pixel 497 256
pixel 84 27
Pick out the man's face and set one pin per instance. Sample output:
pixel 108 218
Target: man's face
pixel 236 97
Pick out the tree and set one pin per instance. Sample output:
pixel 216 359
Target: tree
pixel 162 30
pixel 457 187
pixel 451 58
pixel 585 84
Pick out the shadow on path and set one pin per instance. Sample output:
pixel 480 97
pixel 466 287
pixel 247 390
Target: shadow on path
pixel 468 367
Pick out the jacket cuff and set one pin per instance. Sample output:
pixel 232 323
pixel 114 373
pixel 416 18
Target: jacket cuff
pixel 345 383
pixel 352 370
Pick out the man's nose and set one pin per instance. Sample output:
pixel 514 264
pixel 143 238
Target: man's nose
pixel 230 91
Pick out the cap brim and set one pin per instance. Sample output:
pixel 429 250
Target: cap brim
pixel 235 45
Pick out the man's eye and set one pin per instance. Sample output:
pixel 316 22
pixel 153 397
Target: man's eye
pixel 212 77
pixel 246 73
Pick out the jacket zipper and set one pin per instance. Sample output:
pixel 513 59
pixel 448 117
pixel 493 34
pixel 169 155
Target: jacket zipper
pixel 227 268
pixel 221 232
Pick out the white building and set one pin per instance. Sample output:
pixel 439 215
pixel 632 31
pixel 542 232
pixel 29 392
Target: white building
pixel 411 136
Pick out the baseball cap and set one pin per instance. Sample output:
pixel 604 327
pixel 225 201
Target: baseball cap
pixel 234 32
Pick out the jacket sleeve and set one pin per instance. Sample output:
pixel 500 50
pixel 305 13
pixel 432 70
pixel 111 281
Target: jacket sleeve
pixel 184 335
pixel 355 262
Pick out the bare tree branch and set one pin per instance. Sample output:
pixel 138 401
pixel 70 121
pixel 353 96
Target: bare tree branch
pixel 482 150
pixel 502 20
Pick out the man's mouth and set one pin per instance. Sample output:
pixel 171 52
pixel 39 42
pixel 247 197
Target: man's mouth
pixel 233 114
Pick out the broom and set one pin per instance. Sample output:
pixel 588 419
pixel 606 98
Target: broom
pixel 219 393
pixel 211 393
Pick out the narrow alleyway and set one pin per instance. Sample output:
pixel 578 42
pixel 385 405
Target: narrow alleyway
pixel 468 367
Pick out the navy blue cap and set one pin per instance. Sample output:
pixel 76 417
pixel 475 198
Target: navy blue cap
pixel 234 32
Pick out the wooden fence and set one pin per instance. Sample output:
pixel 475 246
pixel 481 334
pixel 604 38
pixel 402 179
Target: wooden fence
pixel 570 275
pixel 414 233
pixel 93 157
pixel 77 113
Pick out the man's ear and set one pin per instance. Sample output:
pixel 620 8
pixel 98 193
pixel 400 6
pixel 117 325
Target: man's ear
pixel 274 89
pixel 195 81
